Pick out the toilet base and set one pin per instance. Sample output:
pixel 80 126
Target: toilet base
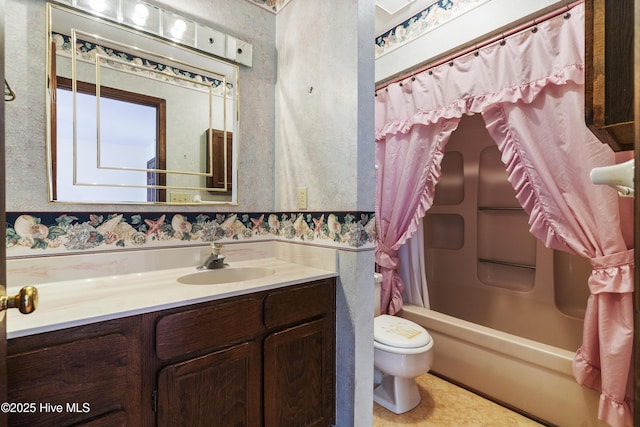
pixel 397 394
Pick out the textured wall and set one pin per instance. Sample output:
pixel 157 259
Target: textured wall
pixel 324 141
pixel 25 50
pixel 324 138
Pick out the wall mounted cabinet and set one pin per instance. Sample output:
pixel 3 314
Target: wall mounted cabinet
pixel 609 71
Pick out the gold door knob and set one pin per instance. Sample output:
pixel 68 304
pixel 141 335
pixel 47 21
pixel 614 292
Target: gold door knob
pixel 26 301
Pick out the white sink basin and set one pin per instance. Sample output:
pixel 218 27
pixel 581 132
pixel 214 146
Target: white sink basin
pixel 225 275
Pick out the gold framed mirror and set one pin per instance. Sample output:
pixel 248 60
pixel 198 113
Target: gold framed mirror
pixel 136 119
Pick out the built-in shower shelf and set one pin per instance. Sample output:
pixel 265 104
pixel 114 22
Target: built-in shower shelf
pixel 506 263
pixel 512 276
pixel 506 208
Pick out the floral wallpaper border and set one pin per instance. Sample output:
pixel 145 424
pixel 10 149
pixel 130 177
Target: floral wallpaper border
pixel 421 23
pixel 49 233
pixel 122 61
pixel 440 12
pixel 271 5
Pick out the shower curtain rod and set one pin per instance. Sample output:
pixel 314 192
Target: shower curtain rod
pixel 494 39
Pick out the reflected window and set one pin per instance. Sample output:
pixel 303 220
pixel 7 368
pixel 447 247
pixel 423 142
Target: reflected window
pixel 128 149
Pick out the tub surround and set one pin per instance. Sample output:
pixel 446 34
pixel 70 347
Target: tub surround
pixel 106 293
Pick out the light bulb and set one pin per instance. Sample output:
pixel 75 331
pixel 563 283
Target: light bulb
pixel 140 14
pixel 98 5
pixel 178 29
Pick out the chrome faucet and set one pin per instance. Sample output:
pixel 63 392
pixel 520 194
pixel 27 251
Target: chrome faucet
pixel 215 260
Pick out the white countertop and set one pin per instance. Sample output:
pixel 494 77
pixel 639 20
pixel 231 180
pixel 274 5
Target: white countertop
pixel 70 303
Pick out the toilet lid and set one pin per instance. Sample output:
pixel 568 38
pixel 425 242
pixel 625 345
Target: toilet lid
pixel 398 332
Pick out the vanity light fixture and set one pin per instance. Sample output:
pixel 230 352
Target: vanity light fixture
pixel 167 25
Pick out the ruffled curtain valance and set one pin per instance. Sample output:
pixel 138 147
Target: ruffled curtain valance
pixel 515 71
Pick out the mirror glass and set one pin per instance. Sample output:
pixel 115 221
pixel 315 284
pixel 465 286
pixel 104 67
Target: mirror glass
pixel 136 119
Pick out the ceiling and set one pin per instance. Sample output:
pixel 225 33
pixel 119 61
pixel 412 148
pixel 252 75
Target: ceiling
pixel 401 10
pixel 405 9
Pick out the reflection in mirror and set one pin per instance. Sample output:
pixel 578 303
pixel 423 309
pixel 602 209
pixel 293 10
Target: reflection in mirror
pixel 135 119
pixel 132 124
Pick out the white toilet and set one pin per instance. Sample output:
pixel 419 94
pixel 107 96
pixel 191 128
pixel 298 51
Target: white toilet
pixel 402 351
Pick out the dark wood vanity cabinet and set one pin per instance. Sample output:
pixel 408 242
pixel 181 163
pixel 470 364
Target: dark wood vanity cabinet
pixel 263 359
pixel 609 71
pixel 267 359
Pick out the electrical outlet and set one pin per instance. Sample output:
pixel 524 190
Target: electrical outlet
pixel 302 198
pixel 180 197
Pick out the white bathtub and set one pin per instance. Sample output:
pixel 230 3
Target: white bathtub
pixel 531 377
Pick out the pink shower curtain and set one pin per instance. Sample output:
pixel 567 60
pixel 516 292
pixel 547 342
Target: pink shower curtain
pixel 530 93
pixel 410 169
pixel 549 153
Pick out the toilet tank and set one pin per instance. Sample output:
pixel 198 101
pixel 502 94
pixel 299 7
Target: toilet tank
pixel 378 283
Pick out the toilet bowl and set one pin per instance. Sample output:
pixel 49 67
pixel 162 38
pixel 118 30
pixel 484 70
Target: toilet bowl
pixel 402 351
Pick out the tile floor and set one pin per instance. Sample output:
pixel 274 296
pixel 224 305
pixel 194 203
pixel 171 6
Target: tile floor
pixel 447 405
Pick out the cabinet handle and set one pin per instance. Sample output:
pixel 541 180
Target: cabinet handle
pixel 26 300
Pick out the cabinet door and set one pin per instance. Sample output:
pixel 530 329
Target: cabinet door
pixel 89 374
pixel 298 376
pixel 218 389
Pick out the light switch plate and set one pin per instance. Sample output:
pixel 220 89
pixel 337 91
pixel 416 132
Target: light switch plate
pixel 302 198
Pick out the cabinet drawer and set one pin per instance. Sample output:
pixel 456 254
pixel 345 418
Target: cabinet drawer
pixel 293 305
pixel 206 328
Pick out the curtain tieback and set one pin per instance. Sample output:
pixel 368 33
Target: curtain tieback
pixel 612 273
pixel 386 257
